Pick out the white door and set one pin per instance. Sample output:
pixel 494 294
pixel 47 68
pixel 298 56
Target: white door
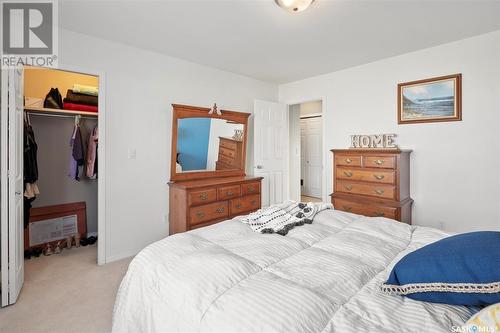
pixel 12 221
pixel 270 150
pixel 311 158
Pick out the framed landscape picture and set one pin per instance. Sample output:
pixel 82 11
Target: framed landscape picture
pixel 430 100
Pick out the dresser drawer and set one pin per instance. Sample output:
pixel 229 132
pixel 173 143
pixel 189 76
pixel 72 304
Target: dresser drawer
pixel 250 188
pixel 226 160
pixel 374 190
pixel 244 204
pixel 228 192
pixel 348 160
pixel 376 176
pixel 366 210
pixel 208 212
pixel 202 197
pixel 228 144
pixel 388 162
pixel 227 152
pixel 223 166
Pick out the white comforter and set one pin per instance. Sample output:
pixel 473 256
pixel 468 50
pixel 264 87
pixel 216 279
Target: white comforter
pixel 322 277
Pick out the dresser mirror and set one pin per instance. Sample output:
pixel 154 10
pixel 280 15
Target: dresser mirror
pixel 207 143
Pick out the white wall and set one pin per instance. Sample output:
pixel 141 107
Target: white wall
pixel 455 168
pixel 140 88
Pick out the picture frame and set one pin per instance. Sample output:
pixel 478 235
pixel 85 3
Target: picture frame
pixel 437 99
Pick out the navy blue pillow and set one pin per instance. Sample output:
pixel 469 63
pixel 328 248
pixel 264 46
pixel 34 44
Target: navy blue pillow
pixel 461 270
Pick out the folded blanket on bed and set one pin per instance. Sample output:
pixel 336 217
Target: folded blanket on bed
pixel 283 217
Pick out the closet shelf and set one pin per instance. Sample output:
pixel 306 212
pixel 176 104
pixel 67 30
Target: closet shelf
pixel 60 112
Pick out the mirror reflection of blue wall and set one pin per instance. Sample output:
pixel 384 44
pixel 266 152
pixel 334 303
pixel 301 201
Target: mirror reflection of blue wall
pixel 192 143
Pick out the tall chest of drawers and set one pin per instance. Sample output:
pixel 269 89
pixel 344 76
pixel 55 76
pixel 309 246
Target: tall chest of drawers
pixel 199 203
pixel 230 154
pixel 373 183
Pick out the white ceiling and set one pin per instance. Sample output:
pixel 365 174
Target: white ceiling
pixel 258 39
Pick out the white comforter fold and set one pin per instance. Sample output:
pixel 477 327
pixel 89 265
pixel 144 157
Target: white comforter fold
pixel 320 277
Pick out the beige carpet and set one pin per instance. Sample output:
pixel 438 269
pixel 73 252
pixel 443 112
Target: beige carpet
pixel 305 198
pixel 67 293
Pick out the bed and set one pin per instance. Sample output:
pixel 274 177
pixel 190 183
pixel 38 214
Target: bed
pixel 320 277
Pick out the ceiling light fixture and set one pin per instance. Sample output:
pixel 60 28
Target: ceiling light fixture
pixel 294 6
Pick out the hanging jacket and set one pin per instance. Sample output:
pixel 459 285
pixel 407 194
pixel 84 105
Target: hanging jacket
pixel 30 155
pixel 77 158
pixel 92 153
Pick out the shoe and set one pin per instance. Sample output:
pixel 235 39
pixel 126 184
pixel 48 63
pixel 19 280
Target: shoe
pixel 77 240
pixel 27 254
pixel 69 242
pixel 48 250
pixel 58 248
pixel 91 240
pixel 84 242
pixel 37 251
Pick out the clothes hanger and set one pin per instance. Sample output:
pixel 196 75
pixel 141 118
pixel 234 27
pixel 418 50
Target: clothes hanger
pixel 77 120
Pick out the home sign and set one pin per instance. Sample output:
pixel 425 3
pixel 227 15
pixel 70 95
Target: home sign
pixel 376 141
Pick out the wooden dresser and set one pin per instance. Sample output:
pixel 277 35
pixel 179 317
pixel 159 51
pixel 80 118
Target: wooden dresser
pixel 230 154
pixel 373 183
pixel 199 203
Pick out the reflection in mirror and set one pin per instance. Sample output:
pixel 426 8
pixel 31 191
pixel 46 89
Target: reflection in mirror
pixel 208 144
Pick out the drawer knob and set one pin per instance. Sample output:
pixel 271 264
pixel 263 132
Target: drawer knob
pixel 379 191
pixel 251 189
pixel 379 214
pixel 348 160
pixel 253 202
pixel 379 162
pixel 220 210
pixel 348 187
pixel 379 177
pixel 229 193
pixel 348 173
pixel 238 206
pixel 347 208
pixel 203 196
pixel 200 215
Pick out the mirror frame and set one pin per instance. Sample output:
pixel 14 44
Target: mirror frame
pixel 180 111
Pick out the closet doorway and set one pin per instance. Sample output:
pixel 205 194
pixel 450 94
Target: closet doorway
pixel 56 122
pixel 306 151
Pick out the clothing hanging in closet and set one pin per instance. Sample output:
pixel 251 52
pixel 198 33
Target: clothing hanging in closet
pixel 92 154
pixel 30 171
pixel 77 159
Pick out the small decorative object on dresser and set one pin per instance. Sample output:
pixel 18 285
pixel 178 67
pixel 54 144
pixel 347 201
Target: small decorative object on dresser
pixel 212 186
pixel 373 182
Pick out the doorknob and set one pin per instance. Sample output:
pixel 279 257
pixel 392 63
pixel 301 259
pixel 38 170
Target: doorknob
pixel 18 193
pixel 259 166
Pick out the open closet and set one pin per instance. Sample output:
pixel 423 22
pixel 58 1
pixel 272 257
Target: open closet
pixel 60 161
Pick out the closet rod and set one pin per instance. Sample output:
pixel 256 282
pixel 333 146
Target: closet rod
pixel 58 115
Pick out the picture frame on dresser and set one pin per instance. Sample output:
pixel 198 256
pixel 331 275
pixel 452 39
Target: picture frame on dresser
pixel 372 182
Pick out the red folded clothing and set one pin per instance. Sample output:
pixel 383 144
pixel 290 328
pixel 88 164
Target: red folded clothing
pixel 80 107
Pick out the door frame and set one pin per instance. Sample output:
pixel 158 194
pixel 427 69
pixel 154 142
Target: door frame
pixel 324 193
pixel 101 151
pixel 307 118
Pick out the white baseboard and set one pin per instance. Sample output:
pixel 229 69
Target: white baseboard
pixel 123 255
